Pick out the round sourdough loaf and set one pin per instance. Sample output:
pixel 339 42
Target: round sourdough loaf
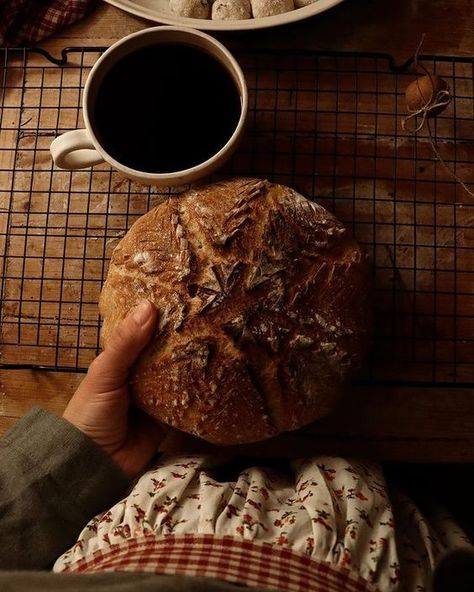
pixel 263 309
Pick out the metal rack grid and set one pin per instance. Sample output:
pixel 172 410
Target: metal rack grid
pixel 327 124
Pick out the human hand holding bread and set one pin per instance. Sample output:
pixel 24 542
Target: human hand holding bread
pixel 263 309
pixel 100 407
pixel 262 314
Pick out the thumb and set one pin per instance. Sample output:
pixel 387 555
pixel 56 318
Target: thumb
pixel 110 369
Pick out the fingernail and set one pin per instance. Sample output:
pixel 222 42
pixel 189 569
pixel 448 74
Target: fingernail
pixel 142 312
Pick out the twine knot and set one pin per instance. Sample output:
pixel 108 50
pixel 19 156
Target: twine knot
pixel 432 106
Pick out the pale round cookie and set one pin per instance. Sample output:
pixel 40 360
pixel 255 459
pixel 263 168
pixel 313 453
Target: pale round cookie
pixel 301 3
pixel 191 8
pixel 223 10
pixel 261 8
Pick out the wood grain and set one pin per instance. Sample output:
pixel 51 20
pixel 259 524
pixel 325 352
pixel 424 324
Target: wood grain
pixel 394 424
pixel 354 25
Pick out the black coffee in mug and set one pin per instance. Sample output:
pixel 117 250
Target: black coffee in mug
pixel 165 108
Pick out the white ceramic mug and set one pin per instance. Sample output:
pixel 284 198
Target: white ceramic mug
pixel 81 148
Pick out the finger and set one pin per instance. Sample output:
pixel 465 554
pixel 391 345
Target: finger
pixel 126 342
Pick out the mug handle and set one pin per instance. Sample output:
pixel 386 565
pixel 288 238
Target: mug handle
pixel 74 150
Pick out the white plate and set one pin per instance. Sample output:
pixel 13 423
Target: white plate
pixel 158 11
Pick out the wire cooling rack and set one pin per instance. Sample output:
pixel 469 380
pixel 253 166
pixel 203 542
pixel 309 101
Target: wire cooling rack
pixel 327 124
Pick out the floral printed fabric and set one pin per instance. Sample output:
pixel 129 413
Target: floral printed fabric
pixel 331 509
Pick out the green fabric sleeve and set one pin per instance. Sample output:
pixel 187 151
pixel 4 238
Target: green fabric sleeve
pixel 111 582
pixel 53 479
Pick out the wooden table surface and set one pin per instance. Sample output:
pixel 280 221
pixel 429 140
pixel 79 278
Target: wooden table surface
pixel 398 423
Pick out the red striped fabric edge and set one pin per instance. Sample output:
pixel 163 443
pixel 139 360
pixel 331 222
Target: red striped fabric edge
pixel 246 562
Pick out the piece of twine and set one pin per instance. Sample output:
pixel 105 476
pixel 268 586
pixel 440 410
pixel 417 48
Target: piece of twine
pixel 441 100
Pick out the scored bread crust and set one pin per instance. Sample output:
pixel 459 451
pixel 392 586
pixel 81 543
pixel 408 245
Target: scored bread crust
pixel 263 309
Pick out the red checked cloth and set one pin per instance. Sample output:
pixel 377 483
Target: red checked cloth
pixel 25 22
pixel 245 562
